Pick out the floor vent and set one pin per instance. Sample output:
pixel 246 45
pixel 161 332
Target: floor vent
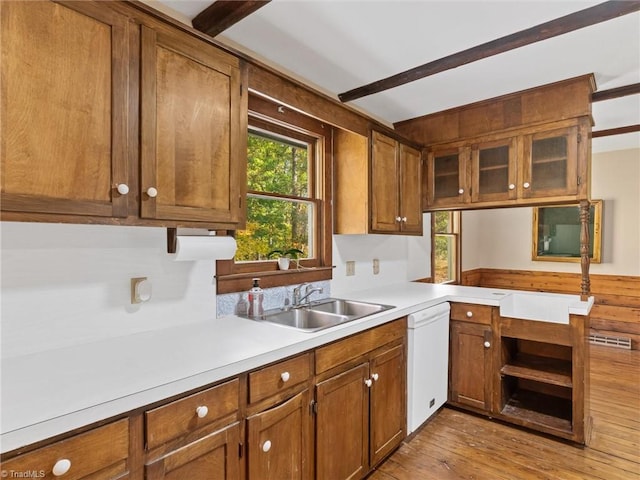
pixel 610 341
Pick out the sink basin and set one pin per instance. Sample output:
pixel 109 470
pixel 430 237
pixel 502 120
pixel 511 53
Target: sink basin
pixel 322 314
pixel 538 306
pixel 350 308
pixel 306 319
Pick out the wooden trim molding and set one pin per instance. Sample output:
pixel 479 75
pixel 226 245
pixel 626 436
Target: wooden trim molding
pixel 616 308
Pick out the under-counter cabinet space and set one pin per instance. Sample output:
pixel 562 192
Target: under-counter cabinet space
pixel 279 423
pixel 470 366
pixel 65 70
pixel 195 437
pixel 361 401
pixel 99 454
pixel 112 116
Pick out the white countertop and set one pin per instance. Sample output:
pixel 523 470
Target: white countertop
pixel 52 392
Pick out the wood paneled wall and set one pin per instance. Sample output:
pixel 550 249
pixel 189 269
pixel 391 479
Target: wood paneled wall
pixel 617 298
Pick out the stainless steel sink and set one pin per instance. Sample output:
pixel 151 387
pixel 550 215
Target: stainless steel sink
pixel 351 308
pixel 323 314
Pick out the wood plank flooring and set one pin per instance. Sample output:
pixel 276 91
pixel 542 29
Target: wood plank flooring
pixel 455 445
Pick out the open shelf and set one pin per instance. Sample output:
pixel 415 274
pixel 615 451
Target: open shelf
pixel 539 408
pixel 540 369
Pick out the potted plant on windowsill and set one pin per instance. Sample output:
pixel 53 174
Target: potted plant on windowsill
pixel 284 256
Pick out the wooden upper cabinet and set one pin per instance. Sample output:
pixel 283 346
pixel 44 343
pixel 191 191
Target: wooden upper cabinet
pixel 193 133
pixel 447 176
pixel 64 95
pixel 494 172
pixel 396 187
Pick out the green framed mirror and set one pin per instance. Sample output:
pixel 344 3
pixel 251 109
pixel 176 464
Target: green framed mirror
pixel 556 233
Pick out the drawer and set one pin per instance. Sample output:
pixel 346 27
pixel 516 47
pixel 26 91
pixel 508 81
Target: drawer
pixel 103 449
pixel 469 312
pixel 359 344
pixel 183 416
pixel 283 375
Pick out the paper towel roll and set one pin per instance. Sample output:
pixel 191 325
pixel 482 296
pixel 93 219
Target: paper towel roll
pixel 189 248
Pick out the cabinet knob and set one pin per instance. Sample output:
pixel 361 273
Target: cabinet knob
pixel 122 188
pixel 285 376
pixel 526 184
pixel 469 314
pixel 368 382
pixel 375 377
pixel 461 191
pixel 152 192
pixel 404 219
pixel 61 467
pixel 202 411
pixel 398 219
pixel 512 186
pixel 266 446
pixel 487 344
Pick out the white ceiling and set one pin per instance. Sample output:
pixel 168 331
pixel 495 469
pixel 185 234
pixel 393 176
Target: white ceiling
pixel 340 45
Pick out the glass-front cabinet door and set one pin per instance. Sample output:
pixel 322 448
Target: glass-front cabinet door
pixel 550 166
pixel 447 173
pixel 494 171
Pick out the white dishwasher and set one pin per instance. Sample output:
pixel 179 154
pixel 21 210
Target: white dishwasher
pixel 428 363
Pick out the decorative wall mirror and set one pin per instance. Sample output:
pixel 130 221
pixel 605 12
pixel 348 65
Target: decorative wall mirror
pixel 556 233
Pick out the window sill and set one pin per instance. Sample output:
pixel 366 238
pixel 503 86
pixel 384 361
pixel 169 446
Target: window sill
pixel 241 282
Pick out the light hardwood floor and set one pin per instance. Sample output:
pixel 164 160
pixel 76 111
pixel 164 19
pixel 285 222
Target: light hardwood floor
pixel 457 445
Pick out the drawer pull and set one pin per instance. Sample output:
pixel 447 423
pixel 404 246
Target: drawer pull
pixel 375 377
pixel 202 411
pixel 266 446
pixel 469 314
pixel 61 467
pixel 285 376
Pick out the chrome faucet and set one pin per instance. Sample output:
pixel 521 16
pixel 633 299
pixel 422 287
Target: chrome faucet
pixel 309 289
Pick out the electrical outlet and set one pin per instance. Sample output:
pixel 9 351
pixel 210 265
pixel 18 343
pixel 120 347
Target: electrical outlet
pixel 376 266
pixel 351 268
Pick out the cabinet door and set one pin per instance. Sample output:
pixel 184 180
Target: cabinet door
pixel 410 161
pixel 279 440
pixel 494 173
pixel 193 148
pixel 213 457
pixel 550 164
pixel 447 177
pixel 342 425
pixel 470 365
pixel 63 111
pixel 387 403
pixel 385 174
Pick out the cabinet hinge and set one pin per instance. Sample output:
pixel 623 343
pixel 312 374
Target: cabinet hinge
pixel 579 180
pixel 240 89
pixel 239 201
pixel 240 450
pixel 313 407
pixel 579 137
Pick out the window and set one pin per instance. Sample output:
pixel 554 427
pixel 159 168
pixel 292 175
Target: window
pixel 281 208
pixel 445 239
pixel 288 200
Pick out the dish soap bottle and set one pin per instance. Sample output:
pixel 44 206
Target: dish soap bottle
pixel 256 297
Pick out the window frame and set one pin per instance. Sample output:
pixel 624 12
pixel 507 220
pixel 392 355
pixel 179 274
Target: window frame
pixel 275 118
pixel 456 234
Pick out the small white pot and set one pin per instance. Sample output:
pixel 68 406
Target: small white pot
pixel 283 263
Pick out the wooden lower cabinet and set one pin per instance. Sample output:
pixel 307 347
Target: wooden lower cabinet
pixel 212 457
pixel 278 441
pixel 470 365
pixel 361 408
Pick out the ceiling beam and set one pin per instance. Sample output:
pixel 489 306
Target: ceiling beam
pixel 615 131
pixel 574 21
pixel 220 15
pixel 616 92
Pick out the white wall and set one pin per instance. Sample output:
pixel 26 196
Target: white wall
pixel 402 258
pixel 70 284
pixel 502 238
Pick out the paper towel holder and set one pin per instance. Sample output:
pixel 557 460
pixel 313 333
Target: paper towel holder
pixel 172 235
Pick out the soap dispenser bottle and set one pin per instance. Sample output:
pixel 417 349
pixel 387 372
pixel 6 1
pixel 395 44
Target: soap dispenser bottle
pixel 256 297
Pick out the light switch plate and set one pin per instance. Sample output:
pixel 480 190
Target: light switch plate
pixel 376 266
pixel 351 268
